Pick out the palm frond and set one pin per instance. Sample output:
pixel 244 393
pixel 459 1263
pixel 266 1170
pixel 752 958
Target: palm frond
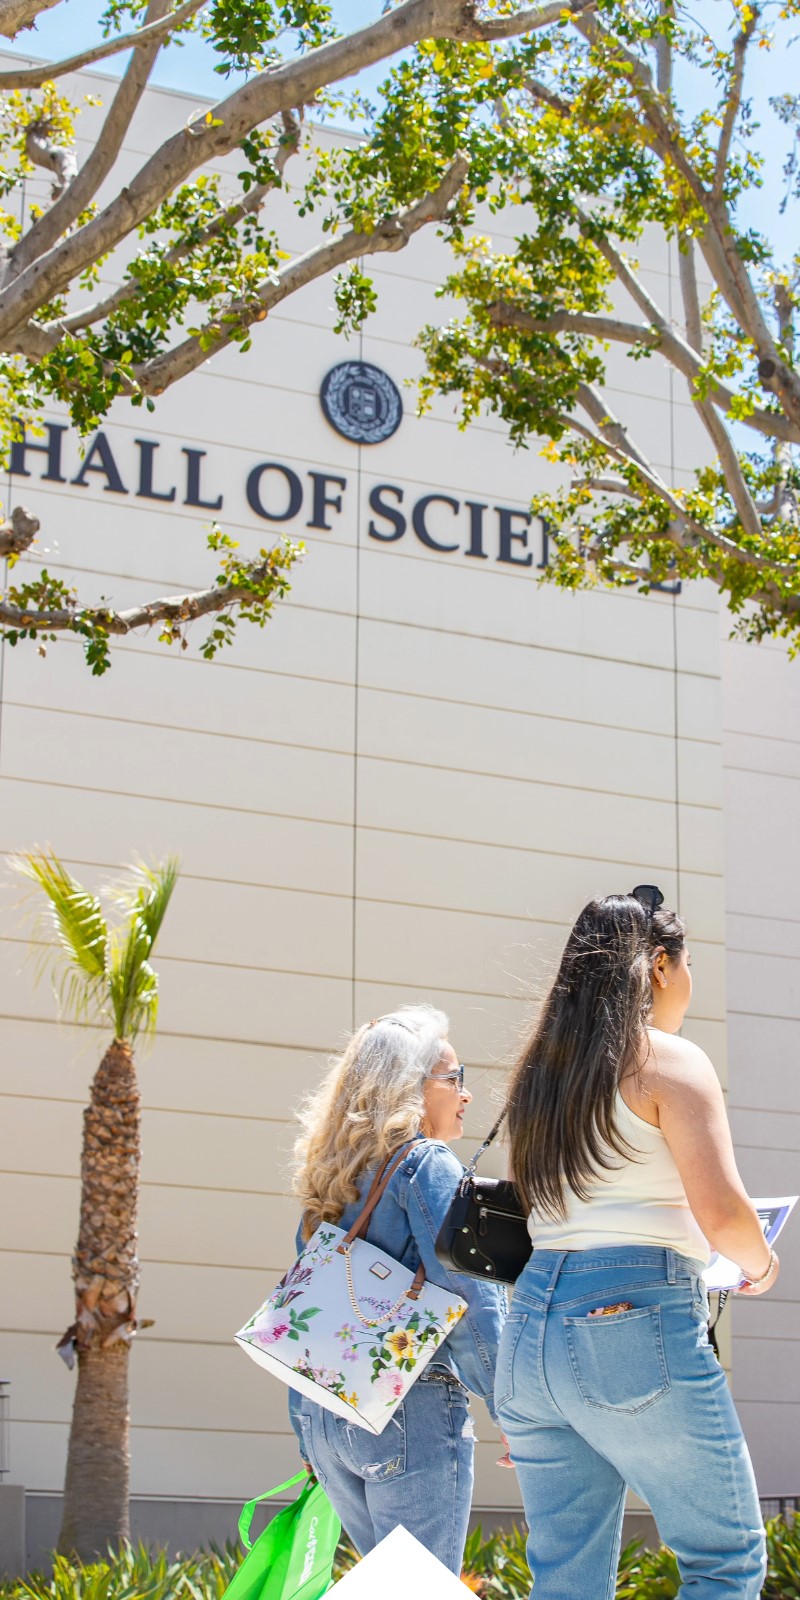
pixel 148 891
pixel 78 964
pixel 133 982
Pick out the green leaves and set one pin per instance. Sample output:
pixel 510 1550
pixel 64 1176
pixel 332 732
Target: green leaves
pixel 103 973
pixel 76 918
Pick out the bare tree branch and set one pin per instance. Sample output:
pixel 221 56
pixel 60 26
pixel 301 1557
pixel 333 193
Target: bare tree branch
pixel 786 503
pixel 390 234
pixel 56 158
pixel 540 91
pixel 692 319
pixel 524 21
pixel 281 88
pixel 729 462
pixel 96 168
pixel 614 432
pixel 733 102
pixel 152 33
pixel 19 532
pixel 18 14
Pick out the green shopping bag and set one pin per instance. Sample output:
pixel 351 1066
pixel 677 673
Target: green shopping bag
pixel 293 1557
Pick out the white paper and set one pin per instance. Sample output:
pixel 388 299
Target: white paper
pixel 724 1274
pixel 400 1567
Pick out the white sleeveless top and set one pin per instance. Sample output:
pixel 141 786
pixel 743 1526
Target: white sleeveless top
pixel 638 1201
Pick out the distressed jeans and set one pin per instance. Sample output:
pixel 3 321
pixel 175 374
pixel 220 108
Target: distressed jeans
pixel 417 1473
pixel 591 1405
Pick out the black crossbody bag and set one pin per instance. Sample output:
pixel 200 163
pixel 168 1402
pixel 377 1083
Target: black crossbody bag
pixel 485 1233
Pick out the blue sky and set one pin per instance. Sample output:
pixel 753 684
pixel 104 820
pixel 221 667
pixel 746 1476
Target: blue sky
pixel 191 68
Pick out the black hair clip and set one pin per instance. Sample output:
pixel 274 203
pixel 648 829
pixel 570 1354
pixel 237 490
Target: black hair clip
pixel 648 896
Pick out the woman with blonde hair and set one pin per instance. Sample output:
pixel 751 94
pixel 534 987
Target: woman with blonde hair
pixel 399 1083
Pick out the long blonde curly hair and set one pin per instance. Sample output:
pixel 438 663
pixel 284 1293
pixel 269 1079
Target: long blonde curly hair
pixel 369 1103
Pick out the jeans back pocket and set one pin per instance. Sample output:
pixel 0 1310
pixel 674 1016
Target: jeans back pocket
pixel 504 1370
pixel 374 1458
pixel 618 1362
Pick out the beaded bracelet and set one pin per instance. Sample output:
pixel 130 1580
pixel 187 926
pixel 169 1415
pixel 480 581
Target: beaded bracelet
pixel 773 1262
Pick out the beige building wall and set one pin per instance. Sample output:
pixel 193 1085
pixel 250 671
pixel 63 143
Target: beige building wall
pixel 762 842
pixel 405 787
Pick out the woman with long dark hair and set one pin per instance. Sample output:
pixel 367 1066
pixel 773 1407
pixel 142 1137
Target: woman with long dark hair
pixel 621 1150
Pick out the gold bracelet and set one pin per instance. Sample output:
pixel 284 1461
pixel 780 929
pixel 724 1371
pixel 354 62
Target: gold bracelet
pixel 773 1262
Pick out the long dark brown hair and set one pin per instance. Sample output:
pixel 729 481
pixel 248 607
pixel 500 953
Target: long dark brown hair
pixel 561 1112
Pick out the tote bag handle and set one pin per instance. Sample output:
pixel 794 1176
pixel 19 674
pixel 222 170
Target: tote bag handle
pixel 359 1228
pixel 248 1511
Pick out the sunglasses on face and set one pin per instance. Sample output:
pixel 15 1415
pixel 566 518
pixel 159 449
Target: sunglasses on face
pixel 456 1077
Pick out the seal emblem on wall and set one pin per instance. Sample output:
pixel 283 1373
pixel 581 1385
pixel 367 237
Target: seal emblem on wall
pixel 361 402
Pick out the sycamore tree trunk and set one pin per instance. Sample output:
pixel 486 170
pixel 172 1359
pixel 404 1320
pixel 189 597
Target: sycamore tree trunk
pixel 105 1270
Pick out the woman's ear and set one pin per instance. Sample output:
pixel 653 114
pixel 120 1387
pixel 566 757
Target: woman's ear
pixel 657 966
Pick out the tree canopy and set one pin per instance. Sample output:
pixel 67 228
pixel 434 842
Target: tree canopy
pixel 592 123
pixel 639 120
pixel 193 258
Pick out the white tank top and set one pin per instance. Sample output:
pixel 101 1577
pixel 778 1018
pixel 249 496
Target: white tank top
pixel 639 1201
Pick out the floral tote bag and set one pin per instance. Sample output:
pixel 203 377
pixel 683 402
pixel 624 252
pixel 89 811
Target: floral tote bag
pixel 348 1325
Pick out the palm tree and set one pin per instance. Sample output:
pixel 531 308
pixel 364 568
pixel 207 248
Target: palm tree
pixel 102 975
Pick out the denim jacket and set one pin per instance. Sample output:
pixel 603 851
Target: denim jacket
pixel 405 1223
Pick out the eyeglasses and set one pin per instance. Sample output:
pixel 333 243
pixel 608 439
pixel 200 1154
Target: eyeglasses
pixel 449 1077
pixel 648 896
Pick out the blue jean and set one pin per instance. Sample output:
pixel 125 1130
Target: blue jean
pixel 417 1473
pixel 591 1405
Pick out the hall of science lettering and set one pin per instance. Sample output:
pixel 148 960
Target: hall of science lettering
pixel 278 493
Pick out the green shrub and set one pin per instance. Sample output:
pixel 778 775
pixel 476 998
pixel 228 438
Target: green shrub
pixel 495 1568
pixel 783 1559
pixel 135 1573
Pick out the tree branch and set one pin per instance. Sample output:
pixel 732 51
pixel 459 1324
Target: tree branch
pixel 281 88
pixel 152 33
pixel 664 52
pixel 173 608
pixel 54 157
pixel 61 216
pixel 614 432
pixel 19 532
pixel 390 234
pixel 666 135
pixel 524 21
pixel 786 504
pixel 718 241
pixel 18 14
pixel 733 103
pixel 612 436
pixel 692 319
pixel 732 472
pixel 220 224
pixel 656 337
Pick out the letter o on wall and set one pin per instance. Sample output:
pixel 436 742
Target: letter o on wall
pixel 293 484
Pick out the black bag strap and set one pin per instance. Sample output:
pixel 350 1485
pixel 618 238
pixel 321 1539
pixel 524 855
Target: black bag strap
pixel 712 1325
pixel 469 1172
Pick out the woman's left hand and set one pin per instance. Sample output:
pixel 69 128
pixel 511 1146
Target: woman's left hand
pixel 505 1461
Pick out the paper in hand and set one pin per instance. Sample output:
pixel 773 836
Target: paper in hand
pixel 724 1274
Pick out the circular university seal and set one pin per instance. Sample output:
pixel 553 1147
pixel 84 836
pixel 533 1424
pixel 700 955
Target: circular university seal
pixel 361 402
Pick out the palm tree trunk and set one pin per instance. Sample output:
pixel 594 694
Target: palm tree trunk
pixel 105 1270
